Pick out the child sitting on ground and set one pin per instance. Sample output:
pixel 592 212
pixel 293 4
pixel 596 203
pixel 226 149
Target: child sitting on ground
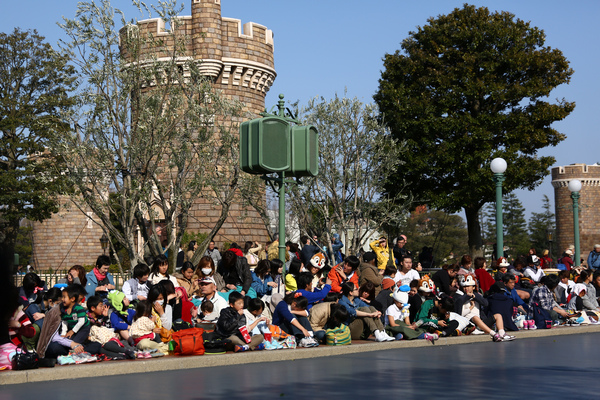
pixel 102 332
pixel 256 323
pixel 291 316
pixel 397 318
pixel 121 316
pixel 74 322
pixel 232 325
pixel 144 331
pixel 207 314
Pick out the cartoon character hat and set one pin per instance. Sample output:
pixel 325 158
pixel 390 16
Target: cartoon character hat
pixel 578 288
pixel 401 294
pixel 115 299
pixel 469 280
pixel 426 284
pixel 502 262
pixel 318 260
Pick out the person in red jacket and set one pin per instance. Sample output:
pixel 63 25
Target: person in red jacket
pixel 344 272
pixel 483 277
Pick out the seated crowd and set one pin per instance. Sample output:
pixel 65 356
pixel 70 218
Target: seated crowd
pixel 85 318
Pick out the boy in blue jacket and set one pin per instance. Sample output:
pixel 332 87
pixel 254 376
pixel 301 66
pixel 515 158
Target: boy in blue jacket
pixel 305 287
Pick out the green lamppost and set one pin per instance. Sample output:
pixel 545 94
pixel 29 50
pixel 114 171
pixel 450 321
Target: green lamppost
pixel 498 167
pixel 574 188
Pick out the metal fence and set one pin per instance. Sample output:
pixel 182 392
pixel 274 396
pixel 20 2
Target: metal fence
pixel 52 279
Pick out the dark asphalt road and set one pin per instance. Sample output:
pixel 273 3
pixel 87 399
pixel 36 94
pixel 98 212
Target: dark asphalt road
pixel 554 367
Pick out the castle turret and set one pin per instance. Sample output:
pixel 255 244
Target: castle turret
pixel 589 219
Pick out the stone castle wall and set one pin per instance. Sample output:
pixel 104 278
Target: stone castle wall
pixel 68 238
pixel 239 59
pixel 589 218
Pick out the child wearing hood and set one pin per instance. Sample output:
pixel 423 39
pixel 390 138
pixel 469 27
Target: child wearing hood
pixel 120 315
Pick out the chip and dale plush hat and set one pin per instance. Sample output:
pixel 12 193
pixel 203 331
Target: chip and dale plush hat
pixel 426 284
pixel 318 260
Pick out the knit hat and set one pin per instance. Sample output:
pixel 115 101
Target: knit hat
pixel 387 283
pixel 318 260
pixel 369 256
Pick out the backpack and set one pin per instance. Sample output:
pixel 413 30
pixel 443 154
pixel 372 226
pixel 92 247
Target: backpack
pixel 339 336
pixel 541 316
pixel 189 342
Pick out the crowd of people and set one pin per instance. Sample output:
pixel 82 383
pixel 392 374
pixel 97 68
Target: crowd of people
pixel 245 302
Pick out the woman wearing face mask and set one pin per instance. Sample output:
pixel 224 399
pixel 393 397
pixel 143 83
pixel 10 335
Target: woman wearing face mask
pixel 206 269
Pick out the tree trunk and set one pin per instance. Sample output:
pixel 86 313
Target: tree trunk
pixel 474 231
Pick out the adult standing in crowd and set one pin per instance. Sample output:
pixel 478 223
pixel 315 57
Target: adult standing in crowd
pixel 593 260
pixel 399 249
pixel 308 250
pixel 99 280
pixel 213 252
pixel 382 251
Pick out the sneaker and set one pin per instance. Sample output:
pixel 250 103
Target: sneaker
pixel 388 337
pixel 65 360
pixel 260 347
pixel 399 337
pixel 272 345
pixel 477 332
pixel 525 325
pixel 240 349
pixel 432 337
pixel 508 338
pixel 157 354
pixel 496 338
pixel 378 337
pixel 532 325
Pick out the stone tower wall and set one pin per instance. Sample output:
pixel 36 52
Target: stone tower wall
pixel 589 218
pixel 68 238
pixel 239 58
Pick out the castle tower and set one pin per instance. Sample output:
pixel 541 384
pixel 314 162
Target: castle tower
pixel 239 59
pixel 589 219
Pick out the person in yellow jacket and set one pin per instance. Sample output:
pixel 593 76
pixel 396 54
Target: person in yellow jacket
pixel 382 251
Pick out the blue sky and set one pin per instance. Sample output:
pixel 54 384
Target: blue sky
pixel 324 47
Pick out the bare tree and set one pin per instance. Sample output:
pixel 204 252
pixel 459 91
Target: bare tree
pixel 150 128
pixel 357 157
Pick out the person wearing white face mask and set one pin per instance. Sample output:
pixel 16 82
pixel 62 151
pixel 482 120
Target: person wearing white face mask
pixel 206 269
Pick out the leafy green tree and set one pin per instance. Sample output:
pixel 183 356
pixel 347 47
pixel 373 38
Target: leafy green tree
pixel 445 233
pixel 466 88
pixel 35 81
pixel 539 225
pixel 515 226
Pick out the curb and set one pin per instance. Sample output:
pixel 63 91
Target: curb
pixel 217 360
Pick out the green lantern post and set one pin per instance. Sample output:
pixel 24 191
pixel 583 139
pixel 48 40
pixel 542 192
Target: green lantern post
pixel 498 166
pixel 574 188
pixel 277 144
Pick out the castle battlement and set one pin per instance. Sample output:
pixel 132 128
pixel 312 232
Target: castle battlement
pixel 589 219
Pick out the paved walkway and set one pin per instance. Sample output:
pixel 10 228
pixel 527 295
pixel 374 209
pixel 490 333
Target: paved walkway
pixel 172 363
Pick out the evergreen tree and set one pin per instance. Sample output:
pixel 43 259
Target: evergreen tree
pixel 35 81
pixel 539 224
pixel 515 226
